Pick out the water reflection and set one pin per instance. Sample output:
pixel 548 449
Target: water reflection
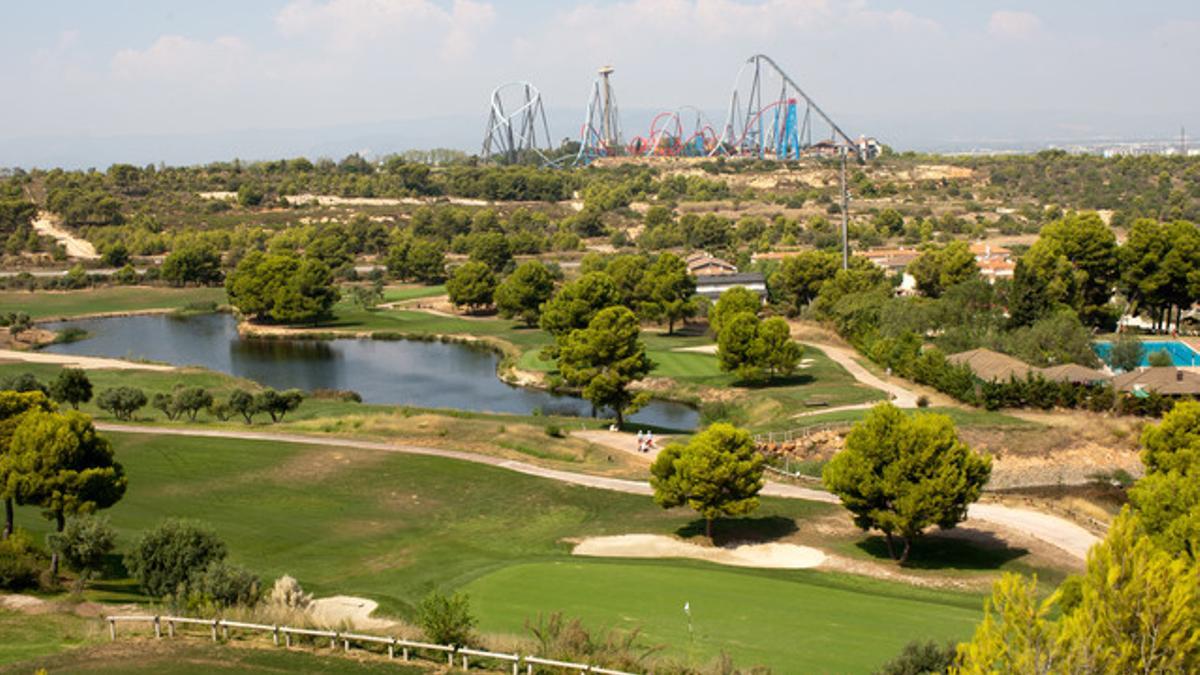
pixel 426 374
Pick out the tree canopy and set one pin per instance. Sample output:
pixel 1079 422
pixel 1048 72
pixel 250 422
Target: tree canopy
pixel 718 473
pixel 901 474
pixel 605 358
pixel 472 285
pixel 577 302
pixel 939 268
pixel 522 294
pixel 282 288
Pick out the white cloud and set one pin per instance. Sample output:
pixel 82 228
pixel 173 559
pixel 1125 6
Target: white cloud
pixel 353 25
pixel 176 58
pixel 1014 25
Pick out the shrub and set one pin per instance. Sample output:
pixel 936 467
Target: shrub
pixel 82 544
pixel 922 401
pixel 277 404
pixel 287 593
pixel 446 619
pixel 121 402
pixel 24 382
pixel 225 584
pixel 20 562
pixel 71 386
pixel 569 640
pixel 918 658
pixel 553 431
pixel 165 559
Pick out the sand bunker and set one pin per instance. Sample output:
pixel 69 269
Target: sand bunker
pixel 773 556
pixel 348 609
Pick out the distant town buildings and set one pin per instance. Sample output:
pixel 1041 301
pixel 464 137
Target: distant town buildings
pixel 703 264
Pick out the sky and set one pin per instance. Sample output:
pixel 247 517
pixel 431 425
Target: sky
pixel 92 83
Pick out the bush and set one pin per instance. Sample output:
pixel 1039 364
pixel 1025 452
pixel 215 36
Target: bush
pixel 83 543
pixel 20 562
pixel 553 431
pixel 71 385
pixel 226 585
pixel 569 640
pixel 121 402
pixel 918 658
pixel 446 620
pixel 25 382
pixel 922 401
pixel 287 593
pixel 176 552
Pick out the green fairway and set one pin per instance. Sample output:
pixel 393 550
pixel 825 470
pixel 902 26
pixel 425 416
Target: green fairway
pixel 790 621
pixel 392 527
pixel 44 304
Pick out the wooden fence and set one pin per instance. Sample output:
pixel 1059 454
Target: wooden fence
pixel 407 648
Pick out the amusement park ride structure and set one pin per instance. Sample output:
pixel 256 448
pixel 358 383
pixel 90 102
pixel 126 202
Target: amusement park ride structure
pixel 769 117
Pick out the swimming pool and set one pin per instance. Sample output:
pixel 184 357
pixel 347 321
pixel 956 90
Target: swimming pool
pixel 1181 353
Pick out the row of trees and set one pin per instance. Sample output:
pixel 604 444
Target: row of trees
pixel 752 348
pixel 124 402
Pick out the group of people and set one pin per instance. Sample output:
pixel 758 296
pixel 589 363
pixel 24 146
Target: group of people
pixel 645 442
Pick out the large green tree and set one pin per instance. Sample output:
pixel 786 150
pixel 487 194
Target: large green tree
pixel 576 302
pixel 13 406
pixel 718 473
pixel 64 466
pixel 522 294
pixel 192 263
pixel 71 385
pixel 1160 268
pixel 734 301
pixel 668 291
pixel 1074 262
pixel 901 474
pixel 938 268
pixel 605 359
pixel 1167 498
pixel 756 349
pixel 282 288
pixel 800 278
pixel 472 285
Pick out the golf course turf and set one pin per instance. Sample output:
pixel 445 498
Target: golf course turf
pixel 392 527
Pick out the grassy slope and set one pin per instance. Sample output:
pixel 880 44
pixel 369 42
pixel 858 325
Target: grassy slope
pixel 392 527
pixel 790 621
pixel 42 304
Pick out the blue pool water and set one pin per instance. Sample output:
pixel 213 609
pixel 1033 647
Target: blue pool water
pixel 1181 353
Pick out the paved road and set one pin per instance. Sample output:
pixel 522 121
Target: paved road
pixel 1052 530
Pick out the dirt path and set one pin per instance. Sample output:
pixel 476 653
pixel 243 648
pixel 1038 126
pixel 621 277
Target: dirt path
pixel 901 397
pixel 84 362
pixel 1053 530
pixel 76 247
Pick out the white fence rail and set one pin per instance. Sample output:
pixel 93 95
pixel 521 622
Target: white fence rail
pixel 220 628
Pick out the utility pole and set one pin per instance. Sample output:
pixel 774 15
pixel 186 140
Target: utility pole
pixel 845 215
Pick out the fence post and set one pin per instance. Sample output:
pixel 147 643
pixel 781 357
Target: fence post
pixel 517 665
pixel 392 649
pixel 333 641
pixel 171 627
pixel 287 639
pixel 225 631
pixel 157 628
pixel 275 635
pixel 450 658
pixel 346 644
pixel 528 668
pixel 112 629
pixel 465 665
pixel 214 629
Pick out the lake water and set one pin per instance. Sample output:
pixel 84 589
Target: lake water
pixel 407 372
pixel 1181 353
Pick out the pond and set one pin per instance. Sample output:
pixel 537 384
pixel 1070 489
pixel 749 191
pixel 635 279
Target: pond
pixel 405 372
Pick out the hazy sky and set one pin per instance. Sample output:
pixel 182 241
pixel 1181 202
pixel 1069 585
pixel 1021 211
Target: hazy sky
pixel 1049 69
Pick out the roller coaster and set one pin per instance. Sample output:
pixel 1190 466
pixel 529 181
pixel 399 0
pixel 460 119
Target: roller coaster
pixel 769 117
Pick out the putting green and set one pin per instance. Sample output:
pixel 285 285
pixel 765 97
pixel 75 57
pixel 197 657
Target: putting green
pixel 792 622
